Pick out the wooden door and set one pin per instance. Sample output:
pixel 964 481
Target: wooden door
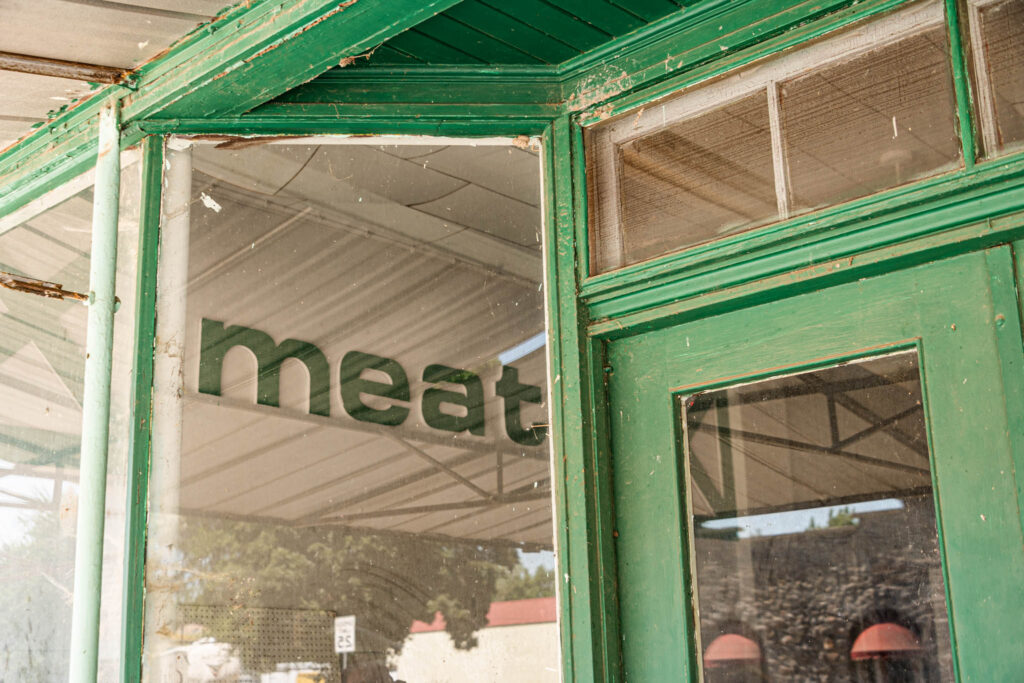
pixel 947 335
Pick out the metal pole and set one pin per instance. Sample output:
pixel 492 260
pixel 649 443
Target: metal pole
pixel 92 489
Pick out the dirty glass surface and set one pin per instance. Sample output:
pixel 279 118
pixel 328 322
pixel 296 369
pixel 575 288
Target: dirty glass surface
pixel 42 363
pixel 814 538
pixel 693 179
pixel 868 109
pixel 1002 51
pixel 363 422
pixel 875 121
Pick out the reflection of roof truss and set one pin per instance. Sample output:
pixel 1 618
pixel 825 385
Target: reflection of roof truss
pixel 46 473
pixel 836 448
pixel 399 433
pixel 523 494
pixel 337 470
pixel 772 431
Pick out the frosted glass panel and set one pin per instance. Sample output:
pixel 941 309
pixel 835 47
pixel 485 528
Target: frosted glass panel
pixel 1002 51
pixel 696 179
pixel 868 109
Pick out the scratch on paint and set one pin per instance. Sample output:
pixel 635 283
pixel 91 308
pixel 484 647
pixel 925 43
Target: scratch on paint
pixel 598 87
pixel 324 17
pixel 209 202
pixel 349 61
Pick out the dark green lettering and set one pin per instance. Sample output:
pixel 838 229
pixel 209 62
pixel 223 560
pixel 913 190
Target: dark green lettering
pixel 472 400
pixel 217 341
pixel 514 393
pixel 353 384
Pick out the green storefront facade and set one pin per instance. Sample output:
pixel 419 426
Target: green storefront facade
pixel 743 204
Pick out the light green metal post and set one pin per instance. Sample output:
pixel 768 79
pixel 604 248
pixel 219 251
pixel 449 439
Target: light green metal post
pixel 99 344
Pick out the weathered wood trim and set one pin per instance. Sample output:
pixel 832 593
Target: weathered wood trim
pixel 900 215
pixel 473 123
pixel 686 48
pixel 245 57
pixel 273 48
pixel 134 588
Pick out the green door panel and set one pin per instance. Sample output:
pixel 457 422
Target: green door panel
pixel 961 315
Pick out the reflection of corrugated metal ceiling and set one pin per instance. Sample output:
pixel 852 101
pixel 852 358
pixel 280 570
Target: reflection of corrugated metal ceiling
pixel 116 34
pixel 420 254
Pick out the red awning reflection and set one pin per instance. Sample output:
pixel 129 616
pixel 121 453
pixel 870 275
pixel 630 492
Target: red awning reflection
pixel 885 640
pixel 731 647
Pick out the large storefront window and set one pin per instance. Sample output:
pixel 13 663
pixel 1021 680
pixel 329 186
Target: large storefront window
pixel 359 483
pixel 42 364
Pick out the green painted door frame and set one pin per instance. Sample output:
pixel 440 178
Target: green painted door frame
pixel 961 316
pixel 975 208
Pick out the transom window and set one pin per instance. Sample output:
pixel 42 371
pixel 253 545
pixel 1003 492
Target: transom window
pixel 870 109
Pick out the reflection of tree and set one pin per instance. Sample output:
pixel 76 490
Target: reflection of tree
pixel 35 603
pixel 386 580
pixel 520 584
pixel 844 516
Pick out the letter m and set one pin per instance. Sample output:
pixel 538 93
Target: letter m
pixel 217 340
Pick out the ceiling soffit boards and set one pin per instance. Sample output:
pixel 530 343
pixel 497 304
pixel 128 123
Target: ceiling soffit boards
pixel 119 36
pixel 526 32
pixel 249 54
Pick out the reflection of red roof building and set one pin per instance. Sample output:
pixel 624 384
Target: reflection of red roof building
pixel 518 645
pixel 885 640
pixel 731 647
pixel 505 613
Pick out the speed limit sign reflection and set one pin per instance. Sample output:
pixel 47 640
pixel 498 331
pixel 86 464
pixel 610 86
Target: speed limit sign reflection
pixel 345 634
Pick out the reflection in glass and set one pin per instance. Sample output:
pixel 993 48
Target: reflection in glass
pixel 879 120
pixel 696 179
pixel 362 431
pixel 1002 53
pixel 42 365
pixel 814 537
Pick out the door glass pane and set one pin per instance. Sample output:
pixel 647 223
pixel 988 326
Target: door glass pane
pixel 363 421
pixel 814 538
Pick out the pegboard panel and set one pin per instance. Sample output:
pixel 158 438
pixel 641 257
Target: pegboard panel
pixel 265 637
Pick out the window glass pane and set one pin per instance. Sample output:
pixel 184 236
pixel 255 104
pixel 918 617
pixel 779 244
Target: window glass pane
pixel 1002 45
pixel 696 179
pixel 363 433
pixel 814 534
pixel 42 363
pixel 877 121
pixel 867 109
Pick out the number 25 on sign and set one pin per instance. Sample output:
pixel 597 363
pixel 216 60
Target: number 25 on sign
pixel 345 634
